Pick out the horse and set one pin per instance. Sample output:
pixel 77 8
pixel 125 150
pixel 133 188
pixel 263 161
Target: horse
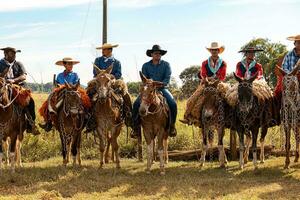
pixel 108 114
pixel 252 114
pixel 70 123
pixel 290 109
pixel 214 112
pixel 154 120
pixel 12 124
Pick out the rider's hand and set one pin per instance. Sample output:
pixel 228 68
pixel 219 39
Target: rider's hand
pixel 10 81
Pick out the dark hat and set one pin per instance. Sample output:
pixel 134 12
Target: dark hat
pixel 155 47
pixel 11 49
pixel 250 49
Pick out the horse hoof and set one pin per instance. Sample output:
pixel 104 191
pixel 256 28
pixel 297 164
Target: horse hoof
pixel 262 161
pixel 162 173
pixel 222 166
pixel 286 167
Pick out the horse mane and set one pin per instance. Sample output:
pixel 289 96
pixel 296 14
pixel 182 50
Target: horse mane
pixel 24 95
pixel 260 89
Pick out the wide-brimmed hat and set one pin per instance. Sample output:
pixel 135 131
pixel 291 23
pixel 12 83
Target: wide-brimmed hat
pixel 294 38
pixel 250 49
pixel 107 46
pixel 67 60
pixel 11 49
pixel 155 47
pixel 215 45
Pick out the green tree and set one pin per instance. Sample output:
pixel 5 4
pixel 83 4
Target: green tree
pixel 133 88
pixel 190 80
pixel 268 58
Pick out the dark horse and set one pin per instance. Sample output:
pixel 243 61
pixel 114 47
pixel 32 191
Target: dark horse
pixel 70 122
pixel 251 114
pixel 12 123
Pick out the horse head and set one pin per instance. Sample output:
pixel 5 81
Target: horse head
pixel 104 80
pixel 148 94
pixel 245 94
pixel 211 100
pixel 72 99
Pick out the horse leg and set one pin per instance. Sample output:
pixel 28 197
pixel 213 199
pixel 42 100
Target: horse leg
pixel 5 147
pixel 204 146
pixel 63 148
pixel 254 146
pixel 154 151
pixel 242 148
pixel 115 146
pixel 166 155
pixel 18 153
pixel 149 142
pixel 12 154
pixel 102 138
pixel 161 152
pixel 78 149
pixel 140 148
pixel 264 131
pixel 287 131
pixel 246 153
pixel 106 156
pixel 74 148
pixel 297 138
pixel 221 147
pixel 1 156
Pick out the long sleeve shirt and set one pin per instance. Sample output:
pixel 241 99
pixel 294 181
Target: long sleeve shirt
pixel 206 71
pixel 290 61
pixel 69 77
pixel 103 63
pixel 243 71
pixel 160 72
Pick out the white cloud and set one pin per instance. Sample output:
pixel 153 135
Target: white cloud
pixel 146 3
pixel 247 2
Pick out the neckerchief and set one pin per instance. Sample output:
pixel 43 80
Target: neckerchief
pixel 247 68
pixel 10 73
pixel 216 67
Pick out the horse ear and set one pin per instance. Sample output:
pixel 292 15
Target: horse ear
pixel 109 69
pixel 237 77
pixel 67 85
pixel 296 68
pixel 3 74
pixel 144 79
pixel 250 80
pixel 279 71
pixel 97 70
pixel 76 86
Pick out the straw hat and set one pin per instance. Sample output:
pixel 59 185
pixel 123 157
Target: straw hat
pixel 107 46
pixel 11 49
pixel 67 60
pixel 250 49
pixel 215 45
pixel 155 47
pixel 294 38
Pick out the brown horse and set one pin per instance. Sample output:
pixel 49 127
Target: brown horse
pixel 154 117
pixel 213 113
pixel 12 124
pixel 291 109
pixel 70 122
pixel 108 114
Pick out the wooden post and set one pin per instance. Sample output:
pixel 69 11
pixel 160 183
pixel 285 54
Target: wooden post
pixel 233 152
pixel 104 33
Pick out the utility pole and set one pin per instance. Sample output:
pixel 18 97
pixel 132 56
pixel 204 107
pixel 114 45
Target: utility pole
pixel 104 33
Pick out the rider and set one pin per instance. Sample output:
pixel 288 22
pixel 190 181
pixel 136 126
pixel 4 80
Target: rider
pixel 248 66
pixel 103 63
pixel 17 75
pixel 157 70
pixel 215 67
pixel 67 76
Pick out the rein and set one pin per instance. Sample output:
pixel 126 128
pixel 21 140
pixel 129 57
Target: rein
pixel 11 101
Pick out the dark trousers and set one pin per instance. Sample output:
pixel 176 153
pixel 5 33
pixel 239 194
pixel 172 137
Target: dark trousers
pixel 170 100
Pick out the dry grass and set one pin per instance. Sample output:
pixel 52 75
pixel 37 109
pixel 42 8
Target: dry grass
pixel 183 180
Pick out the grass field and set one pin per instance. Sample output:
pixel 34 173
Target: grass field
pixel 44 177
pixel 183 180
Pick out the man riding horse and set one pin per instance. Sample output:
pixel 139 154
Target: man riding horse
pixel 67 76
pixel 157 70
pixel 107 59
pixel 214 67
pixel 17 75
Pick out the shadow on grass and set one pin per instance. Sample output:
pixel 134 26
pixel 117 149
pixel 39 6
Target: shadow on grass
pixel 185 179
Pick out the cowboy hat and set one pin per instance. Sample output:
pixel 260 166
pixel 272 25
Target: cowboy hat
pixel 215 45
pixel 294 38
pixel 11 49
pixel 250 49
pixel 155 47
pixel 66 60
pixel 107 46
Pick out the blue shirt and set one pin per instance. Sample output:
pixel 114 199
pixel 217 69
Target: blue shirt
pixel 160 72
pixel 103 63
pixel 290 61
pixel 70 77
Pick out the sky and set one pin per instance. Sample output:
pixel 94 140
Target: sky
pixel 48 30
